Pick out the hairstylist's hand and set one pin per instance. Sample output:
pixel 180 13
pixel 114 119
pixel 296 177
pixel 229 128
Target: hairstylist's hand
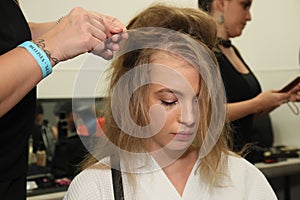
pixel 83 31
pixel 114 34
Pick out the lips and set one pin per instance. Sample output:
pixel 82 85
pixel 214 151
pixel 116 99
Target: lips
pixel 183 135
pixel 185 132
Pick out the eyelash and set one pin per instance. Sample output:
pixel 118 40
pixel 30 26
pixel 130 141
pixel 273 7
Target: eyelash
pixel 166 103
pixel 245 5
pixel 172 103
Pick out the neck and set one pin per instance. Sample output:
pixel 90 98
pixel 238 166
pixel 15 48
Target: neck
pixel 166 157
pixel 226 43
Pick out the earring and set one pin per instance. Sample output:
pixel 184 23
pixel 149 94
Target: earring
pixel 221 18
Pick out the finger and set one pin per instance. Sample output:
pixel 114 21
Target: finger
pixel 113 46
pixel 98 29
pixel 124 35
pixel 295 89
pixel 107 54
pixel 113 25
pixel 109 43
pixel 109 26
pixel 105 49
pixel 116 24
pixel 120 36
pixel 98 49
pixel 113 42
pixel 99 21
pixel 116 37
pixel 295 98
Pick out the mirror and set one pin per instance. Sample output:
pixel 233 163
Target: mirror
pixel 55 144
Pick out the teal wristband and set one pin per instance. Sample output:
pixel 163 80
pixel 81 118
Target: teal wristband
pixel 40 56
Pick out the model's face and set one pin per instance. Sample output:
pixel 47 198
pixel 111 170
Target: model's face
pixel 236 15
pixel 173 99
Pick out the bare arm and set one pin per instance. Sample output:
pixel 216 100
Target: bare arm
pixel 240 109
pixel 39 29
pixel 19 71
pixel 19 74
pixel 81 31
pixel 263 103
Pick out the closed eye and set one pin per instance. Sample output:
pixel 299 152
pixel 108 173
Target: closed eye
pixel 246 5
pixel 169 103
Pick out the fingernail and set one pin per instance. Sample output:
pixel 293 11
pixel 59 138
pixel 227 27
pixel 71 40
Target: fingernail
pixel 118 29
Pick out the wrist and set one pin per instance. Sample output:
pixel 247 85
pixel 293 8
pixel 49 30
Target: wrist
pixel 42 45
pixel 256 105
pixel 40 56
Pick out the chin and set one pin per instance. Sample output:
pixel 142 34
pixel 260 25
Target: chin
pixel 237 33
pixel 178 145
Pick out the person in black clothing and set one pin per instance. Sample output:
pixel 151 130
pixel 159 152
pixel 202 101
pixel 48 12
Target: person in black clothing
pixel 245 98
pixel 21 69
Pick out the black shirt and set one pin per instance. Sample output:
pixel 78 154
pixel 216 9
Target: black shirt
pixel 239 87
pixel 16 125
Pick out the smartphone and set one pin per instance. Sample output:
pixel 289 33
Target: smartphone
pixel 291 85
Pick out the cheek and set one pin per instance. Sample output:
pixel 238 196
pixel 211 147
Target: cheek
pixel 167 123
pixel 158 118
pixel 163 136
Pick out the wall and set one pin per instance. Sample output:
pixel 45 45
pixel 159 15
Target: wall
pixel 272 39
pixel 270 45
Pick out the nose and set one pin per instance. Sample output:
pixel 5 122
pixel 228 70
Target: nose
pixel 187 114
pixel 248 16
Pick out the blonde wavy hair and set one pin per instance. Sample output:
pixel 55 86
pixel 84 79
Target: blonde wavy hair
pixel 195 26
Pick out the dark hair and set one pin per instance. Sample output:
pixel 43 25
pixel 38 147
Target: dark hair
pixel 205 5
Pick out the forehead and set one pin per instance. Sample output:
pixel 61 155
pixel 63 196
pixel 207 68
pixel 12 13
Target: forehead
pixel 173 72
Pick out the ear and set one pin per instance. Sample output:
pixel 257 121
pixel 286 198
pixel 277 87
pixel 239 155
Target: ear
pixel 219 5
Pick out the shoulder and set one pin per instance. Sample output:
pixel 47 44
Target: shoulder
pixel 91 183
pixel 234 160
pixel 251 180
pixel 237 164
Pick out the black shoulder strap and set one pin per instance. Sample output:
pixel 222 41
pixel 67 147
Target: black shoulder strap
pixel 117 181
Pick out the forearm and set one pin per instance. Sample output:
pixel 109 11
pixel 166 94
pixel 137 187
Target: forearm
pixel 241 109
pixel 19 74
pixel 262 104
pixel 38 29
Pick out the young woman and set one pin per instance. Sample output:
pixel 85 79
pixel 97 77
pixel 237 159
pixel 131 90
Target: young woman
pixel 166 129
pixel 246 101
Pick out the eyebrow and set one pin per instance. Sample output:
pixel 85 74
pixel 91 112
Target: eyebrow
pixel 168 91
pixel 247 1
pixel 172 91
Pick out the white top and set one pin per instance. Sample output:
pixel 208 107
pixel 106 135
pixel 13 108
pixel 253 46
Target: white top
pixel 247 182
